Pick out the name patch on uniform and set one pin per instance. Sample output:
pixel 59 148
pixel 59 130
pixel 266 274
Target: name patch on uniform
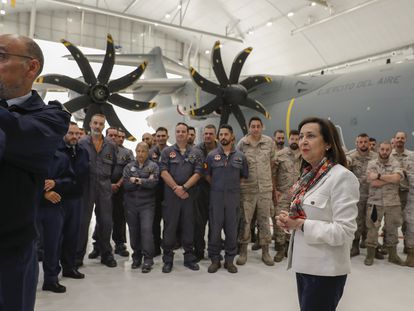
pixel 172 154
pixel 108 156
pixel 217 157
pixel 133 169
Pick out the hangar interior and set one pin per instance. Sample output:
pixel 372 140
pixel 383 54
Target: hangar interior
pixel 295 37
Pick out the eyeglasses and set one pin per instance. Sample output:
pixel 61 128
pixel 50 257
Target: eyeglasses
pixel 5 56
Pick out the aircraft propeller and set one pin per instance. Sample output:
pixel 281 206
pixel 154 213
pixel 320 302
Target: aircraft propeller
pixel 98 93
pixel 230 93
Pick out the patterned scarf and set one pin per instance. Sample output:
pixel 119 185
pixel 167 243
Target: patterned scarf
pixel 307 180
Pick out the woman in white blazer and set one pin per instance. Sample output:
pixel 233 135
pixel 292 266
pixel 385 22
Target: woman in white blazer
pixel 322 216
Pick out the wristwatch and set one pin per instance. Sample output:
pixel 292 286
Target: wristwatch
pixel 184 188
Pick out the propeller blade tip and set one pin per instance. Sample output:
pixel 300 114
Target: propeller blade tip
pixel 109 38
pixel 131 138
pixel 152 104
pixel 268 79
pixel 39 80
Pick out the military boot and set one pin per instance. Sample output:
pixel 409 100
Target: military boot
pixel 215 265
pixel 230 266
pixel 266 256
pixel 256 246
pixel 280 254
pixel 410 257
pixel 355 248
pixel 393 256
pixel 369 260
pixel 378 254
pixel 243 255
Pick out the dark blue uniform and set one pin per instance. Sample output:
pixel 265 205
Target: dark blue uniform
pixel 201 206
pixel 50 217
pixel 226 172
pixel 2 143
pixel 33 132
pixel 155 156
pixel 72 203
pixel 181 168
pixel 139 206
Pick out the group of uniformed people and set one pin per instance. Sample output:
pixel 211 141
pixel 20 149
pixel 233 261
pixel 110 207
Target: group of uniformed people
pixel 234 187
pixel 386 176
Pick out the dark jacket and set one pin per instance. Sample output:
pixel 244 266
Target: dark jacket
pixel 79 164
pixel 61 172
pixel 33 132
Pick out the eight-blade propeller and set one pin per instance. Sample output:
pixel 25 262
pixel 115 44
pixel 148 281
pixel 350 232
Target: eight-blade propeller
pixel 98 93
pixel 230 93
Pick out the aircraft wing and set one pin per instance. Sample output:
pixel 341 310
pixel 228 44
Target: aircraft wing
pixel 161 86
pixel 134 60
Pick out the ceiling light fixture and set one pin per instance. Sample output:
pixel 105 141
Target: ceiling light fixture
pixel 207 51
pixel 2 12
pixel 268 24
pixel 313 4
pixel 290 14
pixel 167 15
pixel 4 1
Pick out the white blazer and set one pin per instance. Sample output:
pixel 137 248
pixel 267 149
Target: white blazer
pixel 323 248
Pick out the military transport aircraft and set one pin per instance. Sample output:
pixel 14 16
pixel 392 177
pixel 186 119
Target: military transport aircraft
pixel 377 101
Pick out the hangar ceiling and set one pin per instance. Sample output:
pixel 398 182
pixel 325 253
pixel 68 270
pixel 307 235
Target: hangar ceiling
pixel 288 37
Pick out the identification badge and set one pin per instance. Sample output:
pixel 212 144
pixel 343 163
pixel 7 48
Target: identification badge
pixel 217 157
pixel 172 154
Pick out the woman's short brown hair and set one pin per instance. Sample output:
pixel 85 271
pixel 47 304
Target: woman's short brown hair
pixel 330 136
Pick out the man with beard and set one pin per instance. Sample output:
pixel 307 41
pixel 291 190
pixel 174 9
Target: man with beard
pixel 191 135
pixel 383 175
pixel 357 164
pixel 98 192
pixel 279 138
pixel 225 168
pixel 202 200
pixel 72 201
pixel 286 171
pixel 401 155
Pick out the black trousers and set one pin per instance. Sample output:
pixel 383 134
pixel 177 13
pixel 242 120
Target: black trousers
pixel 19 271
pixel 51 218
pixel 72 209
pixel 201 215
pixel 319 293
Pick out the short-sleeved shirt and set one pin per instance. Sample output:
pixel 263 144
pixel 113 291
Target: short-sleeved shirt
pixel 286 169
pixel 357 164
pixel 260 157
pixel 386 195
pixel 226 170
pixel 181 166
pixel 401 158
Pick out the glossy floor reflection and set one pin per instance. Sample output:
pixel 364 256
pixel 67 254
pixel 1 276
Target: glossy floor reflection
pixel 383 286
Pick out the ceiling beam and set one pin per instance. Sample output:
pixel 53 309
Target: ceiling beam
pixel 329 18
pixel 139 19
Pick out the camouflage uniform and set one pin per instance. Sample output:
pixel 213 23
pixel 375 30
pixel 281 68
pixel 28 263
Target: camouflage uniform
pixel 384 202
pixel 256 191
pixel 408 212
pixel 403 191
pixel 287 171
pixel 358 164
